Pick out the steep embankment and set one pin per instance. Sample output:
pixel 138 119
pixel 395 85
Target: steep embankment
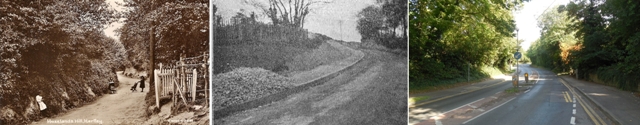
pixel 245 84
pixel 66 78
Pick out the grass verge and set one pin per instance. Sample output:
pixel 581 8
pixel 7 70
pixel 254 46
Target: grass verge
pixel 512 90
pixel 429 85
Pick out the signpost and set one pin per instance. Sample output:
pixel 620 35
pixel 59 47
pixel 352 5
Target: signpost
pixel 516 55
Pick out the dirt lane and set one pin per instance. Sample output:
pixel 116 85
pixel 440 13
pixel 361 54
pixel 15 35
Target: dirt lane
pixel 372 92
pixel 124 107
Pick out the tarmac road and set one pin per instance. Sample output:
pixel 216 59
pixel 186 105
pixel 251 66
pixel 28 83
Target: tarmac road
pixel 372 92
pixel 124 107
pixel 546 101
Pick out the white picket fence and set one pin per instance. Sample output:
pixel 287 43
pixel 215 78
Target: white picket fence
pixel 180 82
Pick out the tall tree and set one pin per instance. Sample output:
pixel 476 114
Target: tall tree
pixel 287 12
pixel 179 27
pixel 384 23
pixel 53 47
pixel 446 37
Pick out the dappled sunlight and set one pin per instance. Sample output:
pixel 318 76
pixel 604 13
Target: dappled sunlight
pixel 422 114
pixel 504 77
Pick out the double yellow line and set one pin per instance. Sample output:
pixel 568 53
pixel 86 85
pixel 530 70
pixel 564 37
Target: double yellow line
pixel 587 108
pixel 567 98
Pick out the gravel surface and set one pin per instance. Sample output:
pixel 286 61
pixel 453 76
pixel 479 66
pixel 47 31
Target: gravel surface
pixel 245 84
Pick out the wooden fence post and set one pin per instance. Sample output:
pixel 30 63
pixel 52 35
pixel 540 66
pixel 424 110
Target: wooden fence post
pixel 193 85
pixel 156 86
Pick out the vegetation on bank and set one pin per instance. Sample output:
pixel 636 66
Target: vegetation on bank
pixel 596 40
pixel 448 37
pixel 49 50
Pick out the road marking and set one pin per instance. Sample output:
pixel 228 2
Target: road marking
pixel 566 96
pixel 465 122
pixel 573 120
pixel 468 104
pixel 446 97
pixel 574 104
pixel 590 112
pixel 574 111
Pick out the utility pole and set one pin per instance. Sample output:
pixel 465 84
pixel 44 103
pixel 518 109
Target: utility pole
pixel 340 22
pixel 517 50
pixel 151 58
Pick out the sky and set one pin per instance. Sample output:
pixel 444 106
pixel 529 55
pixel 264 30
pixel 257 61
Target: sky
pixel 526 19
pixel 324 20
pixel 110 29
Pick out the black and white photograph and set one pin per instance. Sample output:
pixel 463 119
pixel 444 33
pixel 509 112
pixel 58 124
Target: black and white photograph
pixel 309 62
pixel 112 62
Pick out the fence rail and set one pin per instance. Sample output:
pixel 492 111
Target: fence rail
pixel 180 82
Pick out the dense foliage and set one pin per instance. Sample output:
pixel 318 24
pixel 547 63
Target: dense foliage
pixel 384 23
pixel 556 41
pixel 606 41
pixel 178 27
pixel 448 36
pixel 55 49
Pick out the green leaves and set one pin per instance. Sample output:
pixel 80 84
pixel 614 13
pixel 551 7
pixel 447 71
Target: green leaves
pixel 446 35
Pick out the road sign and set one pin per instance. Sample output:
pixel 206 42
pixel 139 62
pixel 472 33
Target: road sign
pixel 517 55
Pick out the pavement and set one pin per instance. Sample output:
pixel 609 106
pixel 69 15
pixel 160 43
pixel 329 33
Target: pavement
pixel 622 106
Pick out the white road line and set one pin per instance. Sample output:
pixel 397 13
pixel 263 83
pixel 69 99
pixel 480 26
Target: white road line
pixel 573 120
pixel 462 106
pixel 465 122
pixel 574 99
pixel 574 104
pixel 574 111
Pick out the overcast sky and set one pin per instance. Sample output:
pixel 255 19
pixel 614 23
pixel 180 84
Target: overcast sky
pixel 526 19
pixel 324 20
pixel 110 30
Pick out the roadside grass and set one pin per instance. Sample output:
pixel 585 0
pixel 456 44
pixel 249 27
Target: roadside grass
pixel 512 90
pixel 419 98
pixel 428 85
pixel 413 100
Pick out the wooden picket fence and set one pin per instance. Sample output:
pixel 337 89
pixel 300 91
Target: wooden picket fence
pixel 180 81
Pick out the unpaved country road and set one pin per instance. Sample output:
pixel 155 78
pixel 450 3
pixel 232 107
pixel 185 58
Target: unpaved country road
pixel 374 91
pixel 124 107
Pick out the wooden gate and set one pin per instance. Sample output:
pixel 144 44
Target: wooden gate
pixel 180 82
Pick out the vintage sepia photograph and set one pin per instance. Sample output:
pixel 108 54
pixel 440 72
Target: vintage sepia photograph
pixel 105 62
pixel 309 62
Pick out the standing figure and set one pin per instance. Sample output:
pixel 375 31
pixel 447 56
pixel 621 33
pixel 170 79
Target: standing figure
pixel 41 104
pixel 142 83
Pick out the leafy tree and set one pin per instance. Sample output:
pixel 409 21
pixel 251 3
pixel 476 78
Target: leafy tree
pixel 605 38
pixel 51 48
pixel 556 40
pixel 287 12
pixel 446 37
pixel 179 27
pixel 380 23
